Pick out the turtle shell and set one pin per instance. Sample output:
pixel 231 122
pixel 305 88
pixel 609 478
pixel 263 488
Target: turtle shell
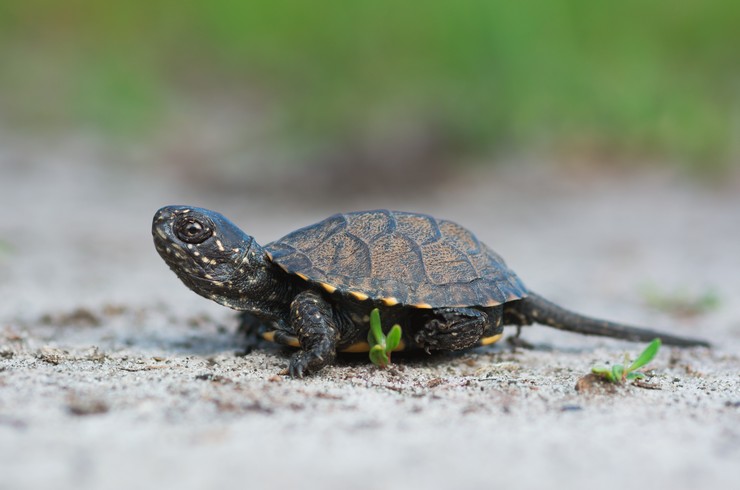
pixel 398 258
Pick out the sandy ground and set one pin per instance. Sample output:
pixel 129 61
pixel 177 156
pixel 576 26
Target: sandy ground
pixel 113 375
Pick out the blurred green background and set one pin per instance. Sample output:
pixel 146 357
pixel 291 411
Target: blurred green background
pixel 631 80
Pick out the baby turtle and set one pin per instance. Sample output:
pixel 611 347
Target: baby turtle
pixel 314 288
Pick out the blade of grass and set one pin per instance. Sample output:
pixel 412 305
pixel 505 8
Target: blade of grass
pixel 604 372
pixel 646 356
pixel 375 335
pixel 394 339
pixel 378 356
pixel 618 373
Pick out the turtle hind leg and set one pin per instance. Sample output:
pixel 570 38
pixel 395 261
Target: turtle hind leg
pixel 251 328
pixel 452 329
pixel 312 320
pixel 535 309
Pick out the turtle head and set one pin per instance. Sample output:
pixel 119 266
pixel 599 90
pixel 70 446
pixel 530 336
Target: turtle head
pixel 209 253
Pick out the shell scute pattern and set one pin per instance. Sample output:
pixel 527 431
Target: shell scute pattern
pixel 396 256
pixel 444 260
pixel 341 253
pixel 423 228
pixel 413 258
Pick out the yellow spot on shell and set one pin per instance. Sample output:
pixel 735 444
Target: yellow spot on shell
pixel 358 295
pixel 365 347
pixel 390 301
pixel 493 302
pixel 490 340
pixel 269 256
pixel 422 305
pixel 357 347
pixel 329 288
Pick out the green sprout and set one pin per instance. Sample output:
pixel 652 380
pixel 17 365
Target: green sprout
pixel 381 345
pixel 619 373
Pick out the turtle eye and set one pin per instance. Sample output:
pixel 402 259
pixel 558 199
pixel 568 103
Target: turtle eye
pixel 192 230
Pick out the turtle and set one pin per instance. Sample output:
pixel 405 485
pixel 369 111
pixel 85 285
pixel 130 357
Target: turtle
pixel 314 288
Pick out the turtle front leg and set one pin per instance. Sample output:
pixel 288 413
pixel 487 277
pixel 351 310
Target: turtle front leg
pixel 313 322
pixel 452 329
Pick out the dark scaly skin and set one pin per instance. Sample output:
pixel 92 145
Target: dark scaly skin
pixel 217 260
pixel 317 332
pixel 536 309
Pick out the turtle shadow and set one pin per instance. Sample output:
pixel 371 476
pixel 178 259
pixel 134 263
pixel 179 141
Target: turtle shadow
pixel 198 344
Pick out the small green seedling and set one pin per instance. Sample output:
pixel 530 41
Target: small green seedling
pixel 381 345
pixel 619 373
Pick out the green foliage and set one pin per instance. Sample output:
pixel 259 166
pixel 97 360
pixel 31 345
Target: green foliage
pixel 6 249
pixel 681 302
pixel 381 346
pixel 619 373
pixel 639 77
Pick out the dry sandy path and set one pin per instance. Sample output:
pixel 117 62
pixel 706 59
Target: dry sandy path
pixel 113 375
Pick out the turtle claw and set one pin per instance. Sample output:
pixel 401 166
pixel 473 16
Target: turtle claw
pixel 295 371
pixel 298 365
pixel 304 362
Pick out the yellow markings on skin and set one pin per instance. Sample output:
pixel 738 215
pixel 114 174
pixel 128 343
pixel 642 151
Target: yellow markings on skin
pixel 329 288
pixel 196 254
pixel 422 305
pixel 205 260
pixel 490 340
pixel 358 295
pixel 390 301
pixel 184 211
pixel 220 246
pixel 302 276
pixel 270 337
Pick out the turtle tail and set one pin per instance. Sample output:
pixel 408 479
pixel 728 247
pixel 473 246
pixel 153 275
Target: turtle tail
pixel 536 309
